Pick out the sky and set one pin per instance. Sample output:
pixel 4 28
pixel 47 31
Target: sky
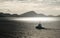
pixel 47 7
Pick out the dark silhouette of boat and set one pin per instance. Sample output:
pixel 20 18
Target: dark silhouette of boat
pixel 39 26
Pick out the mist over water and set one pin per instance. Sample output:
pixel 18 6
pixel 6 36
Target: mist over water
pixel 37 19
pixel 32 19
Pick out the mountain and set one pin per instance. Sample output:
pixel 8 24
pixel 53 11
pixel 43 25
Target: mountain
pixel 58 15
pixel 27 14
pixel 51 16
pixel 32 14
pixel 8 15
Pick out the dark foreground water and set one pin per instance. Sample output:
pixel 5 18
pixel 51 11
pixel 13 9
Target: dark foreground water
pixel 19 29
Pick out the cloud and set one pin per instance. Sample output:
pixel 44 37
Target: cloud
pixel 50 2
pixel 46 7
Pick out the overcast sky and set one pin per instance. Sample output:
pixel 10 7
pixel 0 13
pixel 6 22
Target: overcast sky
pixel 48 7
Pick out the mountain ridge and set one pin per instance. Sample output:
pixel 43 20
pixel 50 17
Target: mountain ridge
pixel 27 14
pixel 31 14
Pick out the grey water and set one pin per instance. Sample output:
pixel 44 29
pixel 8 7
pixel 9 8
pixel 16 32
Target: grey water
pixel 22 29
pixel 7 24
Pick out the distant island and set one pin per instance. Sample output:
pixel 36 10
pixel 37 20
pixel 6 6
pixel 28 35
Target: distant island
pixel 27 14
